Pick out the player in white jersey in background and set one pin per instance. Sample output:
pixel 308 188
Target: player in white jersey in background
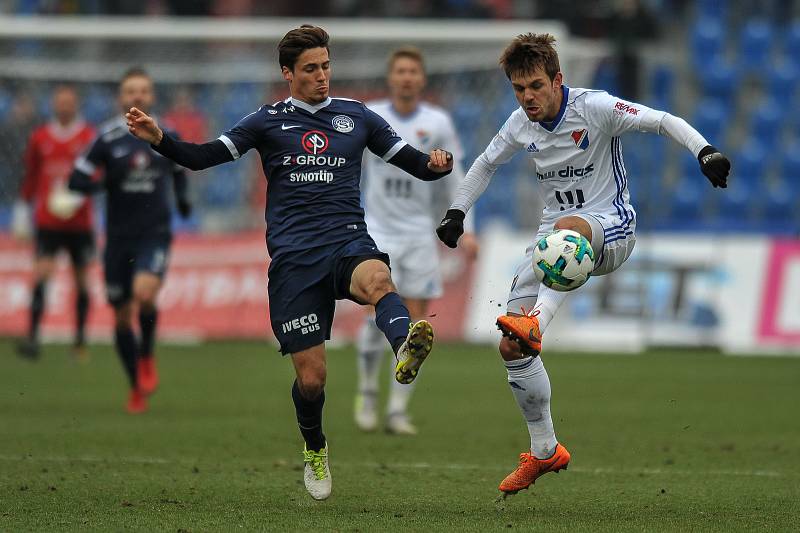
pixel 400 216
pixel 572 136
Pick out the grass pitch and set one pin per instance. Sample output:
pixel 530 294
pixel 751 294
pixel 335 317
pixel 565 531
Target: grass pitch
pixel 668 441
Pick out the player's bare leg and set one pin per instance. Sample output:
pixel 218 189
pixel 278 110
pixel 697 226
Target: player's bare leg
pixel 529 325
pixel 372 284
pixel 43 268
pixel 81 277
pixel 530 385
pixel 146 286
pixel 308 394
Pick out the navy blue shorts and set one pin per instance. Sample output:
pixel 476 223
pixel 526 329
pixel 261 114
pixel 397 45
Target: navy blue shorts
pixel 304 287
pixel 124 257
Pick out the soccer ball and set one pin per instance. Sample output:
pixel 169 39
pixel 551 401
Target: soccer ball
pixel 563 260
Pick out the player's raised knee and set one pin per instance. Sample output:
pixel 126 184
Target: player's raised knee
pixel 379 284
pixel 577 224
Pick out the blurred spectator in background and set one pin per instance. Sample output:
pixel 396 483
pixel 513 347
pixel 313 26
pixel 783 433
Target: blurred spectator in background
pixel 14 133
pixel 62 220
pixel 630 24
pixel 185 118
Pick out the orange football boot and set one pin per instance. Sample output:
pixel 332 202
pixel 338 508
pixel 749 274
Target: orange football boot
pixel 524 330
pixel 137 402
pixel 530 468
pixel 147 375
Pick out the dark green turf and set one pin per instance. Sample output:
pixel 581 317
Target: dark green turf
pixel 663 442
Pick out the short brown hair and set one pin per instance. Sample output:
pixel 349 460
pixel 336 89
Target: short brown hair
pixel 298 41
pixel 134 72
pixel 411 52
pixel 530 51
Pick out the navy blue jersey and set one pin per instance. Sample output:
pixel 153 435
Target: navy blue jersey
pixel 138 182
pixel 312 159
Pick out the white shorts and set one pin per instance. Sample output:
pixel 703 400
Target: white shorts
pixel 415 266
pixel 610 237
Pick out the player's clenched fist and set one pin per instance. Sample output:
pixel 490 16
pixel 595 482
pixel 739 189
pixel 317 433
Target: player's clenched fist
pixel 441 161
pixel 143 126
pixel 451 227
pixel 714 166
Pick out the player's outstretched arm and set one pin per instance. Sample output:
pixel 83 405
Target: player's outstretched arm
pixel 423 166
pixel 190 155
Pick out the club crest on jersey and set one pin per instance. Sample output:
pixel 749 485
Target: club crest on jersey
pixel 581 138
pixel 140 161
pixel 314 142
pixel 343 123
pixel 532 147
pixel 423 136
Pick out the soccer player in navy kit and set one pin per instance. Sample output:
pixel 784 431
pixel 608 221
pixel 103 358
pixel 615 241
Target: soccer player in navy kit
pixel 311 148
pixel 137 181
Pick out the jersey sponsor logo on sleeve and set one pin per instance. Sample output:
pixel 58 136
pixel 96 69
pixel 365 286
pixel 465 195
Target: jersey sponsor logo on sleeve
pixel 272 111
pixel 284 127
pixel 621 108
pixel 581 138
pixel 343 123
pixel 314 142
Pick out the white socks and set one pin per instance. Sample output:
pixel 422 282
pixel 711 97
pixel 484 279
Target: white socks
pixel 372 348
pixel 399 394
pixel 547 303
pixel 371 345
pixel 530 384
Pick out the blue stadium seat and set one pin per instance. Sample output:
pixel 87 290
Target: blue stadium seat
pixel 750 164
pixel 710 10
pixel 709 119
pixel 791 43
pixel 687 202
pixel 789 168
pixel 662 84
pixel 779 204
pixel 766 122
pixel 719 80
pixel 781 82
pixel 605 77
pixel 755 44
pixel 706 42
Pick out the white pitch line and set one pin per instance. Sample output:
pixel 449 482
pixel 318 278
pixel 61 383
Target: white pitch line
pixel 409 466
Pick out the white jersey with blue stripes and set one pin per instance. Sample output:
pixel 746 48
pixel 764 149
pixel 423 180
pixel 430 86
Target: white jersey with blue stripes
pixel 578 156
pixel 399 206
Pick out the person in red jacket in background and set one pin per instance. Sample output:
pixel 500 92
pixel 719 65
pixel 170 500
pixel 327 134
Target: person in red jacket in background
pixel 62 219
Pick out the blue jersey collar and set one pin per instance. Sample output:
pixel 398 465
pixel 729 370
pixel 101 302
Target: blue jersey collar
pixel 550 126
pixel 308 107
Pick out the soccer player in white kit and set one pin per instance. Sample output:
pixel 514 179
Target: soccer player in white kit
pixel 572 135
pixel 400 218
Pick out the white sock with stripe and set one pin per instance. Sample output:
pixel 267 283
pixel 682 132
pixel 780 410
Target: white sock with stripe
pixel 371 346
pixel 547 303
pixel 530 385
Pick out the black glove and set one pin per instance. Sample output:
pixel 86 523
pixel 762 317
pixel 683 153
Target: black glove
pixel 451 227
pixel 715 166
pixel 184 208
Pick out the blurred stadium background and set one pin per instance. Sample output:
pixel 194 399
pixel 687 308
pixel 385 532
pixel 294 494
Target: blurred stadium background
pixel 730 68
pixel 712 271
